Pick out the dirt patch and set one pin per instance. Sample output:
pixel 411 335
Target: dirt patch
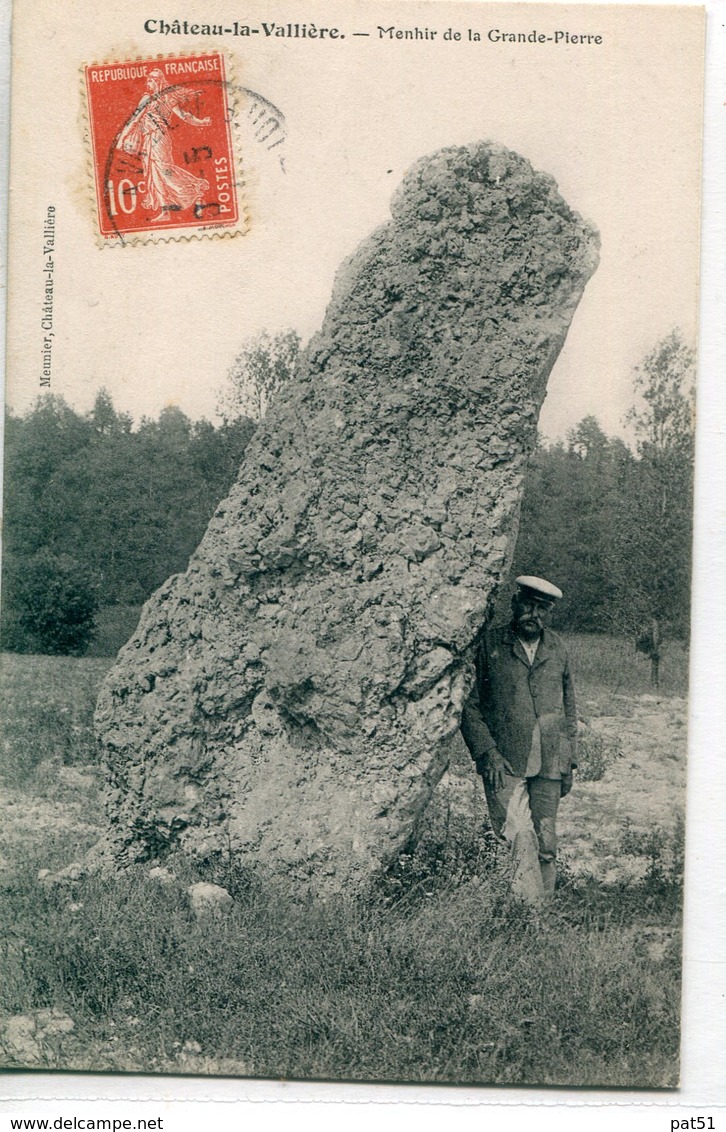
pixel 51 824
pixel 607 825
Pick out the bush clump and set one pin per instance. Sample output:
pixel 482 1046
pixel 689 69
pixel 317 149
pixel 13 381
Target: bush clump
pixel 49 605
pixel 595 754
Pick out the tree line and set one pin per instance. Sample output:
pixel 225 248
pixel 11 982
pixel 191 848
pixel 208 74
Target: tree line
pixel 614 525
pixel 98 512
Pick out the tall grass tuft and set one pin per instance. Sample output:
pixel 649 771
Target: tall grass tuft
pixel 595 754
pixel 47 716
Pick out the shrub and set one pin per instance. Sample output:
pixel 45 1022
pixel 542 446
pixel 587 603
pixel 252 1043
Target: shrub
pixel 594 754
pixel 664 852
pixel 49 604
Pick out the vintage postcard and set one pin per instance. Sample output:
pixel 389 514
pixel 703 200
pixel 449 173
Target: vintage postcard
pixel 349 458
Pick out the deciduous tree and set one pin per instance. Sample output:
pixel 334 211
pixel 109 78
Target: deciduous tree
pixel 260 370
pixel 655 528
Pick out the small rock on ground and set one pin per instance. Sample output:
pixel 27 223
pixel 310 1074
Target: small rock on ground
pixel 209 899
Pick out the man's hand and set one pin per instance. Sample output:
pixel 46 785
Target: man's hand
pixel 566 784
pixel 496 768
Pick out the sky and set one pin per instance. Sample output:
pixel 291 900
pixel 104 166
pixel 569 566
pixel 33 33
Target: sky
pixel 617 126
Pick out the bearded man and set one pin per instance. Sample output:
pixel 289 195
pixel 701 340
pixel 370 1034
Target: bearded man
pixel 520 725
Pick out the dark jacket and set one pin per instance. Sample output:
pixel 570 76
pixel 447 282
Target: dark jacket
pixel 527 713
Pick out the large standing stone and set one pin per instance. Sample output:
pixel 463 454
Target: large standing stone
pixel 290 697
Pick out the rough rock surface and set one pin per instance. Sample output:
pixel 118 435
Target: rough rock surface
pixel 290 698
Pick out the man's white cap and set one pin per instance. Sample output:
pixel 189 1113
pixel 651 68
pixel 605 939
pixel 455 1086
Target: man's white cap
pixel 539 586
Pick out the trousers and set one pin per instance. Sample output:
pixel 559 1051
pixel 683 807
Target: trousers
pixel 524 814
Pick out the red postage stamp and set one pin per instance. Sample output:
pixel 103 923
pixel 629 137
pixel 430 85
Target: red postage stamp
pixel 162 148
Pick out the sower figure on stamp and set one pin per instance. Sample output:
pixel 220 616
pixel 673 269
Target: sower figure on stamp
pixel 148 133
pixel 520 725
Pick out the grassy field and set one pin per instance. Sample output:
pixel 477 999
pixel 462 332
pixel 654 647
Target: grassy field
pixel 436 975
pixel 608 664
